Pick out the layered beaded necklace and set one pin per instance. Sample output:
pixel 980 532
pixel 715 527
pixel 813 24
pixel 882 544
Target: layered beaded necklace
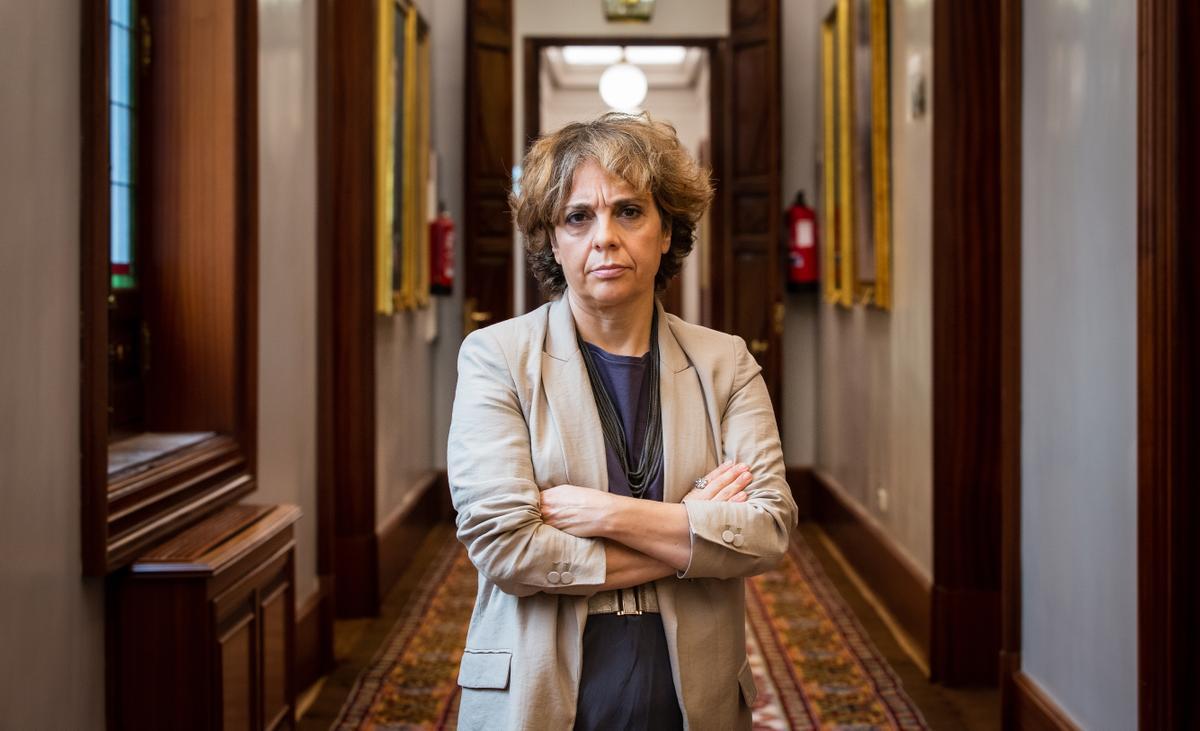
pixel 641 475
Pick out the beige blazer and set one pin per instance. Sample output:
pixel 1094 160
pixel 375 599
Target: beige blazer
pixel 525 420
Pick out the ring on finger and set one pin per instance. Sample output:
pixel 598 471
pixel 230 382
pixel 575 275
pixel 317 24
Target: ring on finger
pixel 700 483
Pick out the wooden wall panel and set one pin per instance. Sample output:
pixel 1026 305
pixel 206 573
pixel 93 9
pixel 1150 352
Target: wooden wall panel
pixel 346 296
pixel 966 342
pixel 1168 361
pixel 188 137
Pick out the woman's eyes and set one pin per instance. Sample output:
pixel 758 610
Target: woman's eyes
pixel 577 217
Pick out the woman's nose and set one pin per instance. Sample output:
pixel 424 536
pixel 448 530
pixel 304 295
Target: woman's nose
pixel 605 234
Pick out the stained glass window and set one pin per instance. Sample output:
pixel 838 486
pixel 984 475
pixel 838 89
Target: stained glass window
pixel 122 140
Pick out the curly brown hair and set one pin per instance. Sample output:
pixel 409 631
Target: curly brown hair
pixel 644 153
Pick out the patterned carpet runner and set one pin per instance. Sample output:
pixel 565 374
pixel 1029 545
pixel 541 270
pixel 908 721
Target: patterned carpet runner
pixel 812 661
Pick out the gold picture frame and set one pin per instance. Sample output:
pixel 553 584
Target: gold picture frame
pixel 865 131
pixel 402 147
pixel 835 286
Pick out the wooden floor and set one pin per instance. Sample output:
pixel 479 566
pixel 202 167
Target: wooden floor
pixel 356 642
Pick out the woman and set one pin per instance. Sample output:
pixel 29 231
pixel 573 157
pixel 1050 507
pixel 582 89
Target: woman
pixel 610 576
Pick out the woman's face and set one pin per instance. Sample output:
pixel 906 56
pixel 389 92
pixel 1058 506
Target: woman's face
pixel 608 239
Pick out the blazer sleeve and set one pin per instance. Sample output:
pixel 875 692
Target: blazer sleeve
pixel 743 539
pixel 492 486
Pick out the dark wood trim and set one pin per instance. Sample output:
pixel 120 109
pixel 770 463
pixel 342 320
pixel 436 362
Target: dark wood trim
pixel 1033 710
pixel 314 637
pixel 118 523
pixel 93 280
pixel 402 533
pixel 802 481
pixel 326 501
pixel 892 576
pixel 247 142
pixel 1168 360
pixel 967 343
pixel 1011 50
pixel 532 102
pixel 345 296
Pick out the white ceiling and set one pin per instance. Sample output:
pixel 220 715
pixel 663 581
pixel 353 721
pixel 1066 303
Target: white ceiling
pixel 567 76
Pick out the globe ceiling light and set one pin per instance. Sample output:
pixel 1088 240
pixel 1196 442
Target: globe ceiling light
pixel 623 87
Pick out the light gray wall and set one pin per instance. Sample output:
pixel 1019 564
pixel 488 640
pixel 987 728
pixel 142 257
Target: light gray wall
pixel 51 620
pixel 1079 371
pixel 287 251
pixel 875 386
pixel 801 21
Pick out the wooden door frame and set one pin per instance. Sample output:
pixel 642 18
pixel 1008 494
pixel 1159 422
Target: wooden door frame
pixel 1168 359
pixel 717 48
pixel 1011 94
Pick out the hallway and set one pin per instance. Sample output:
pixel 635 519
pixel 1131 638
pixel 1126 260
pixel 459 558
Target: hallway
pixel 386 675
pixel 265 258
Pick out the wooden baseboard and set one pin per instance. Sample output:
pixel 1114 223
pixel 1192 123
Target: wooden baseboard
pixel 401 534
pixel 314 635
pixel 964 654
pixel 1032 709
pixel 890 574
pixel 801 479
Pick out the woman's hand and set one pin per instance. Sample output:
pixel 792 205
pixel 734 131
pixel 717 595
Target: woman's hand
pixel 725 484
pixel 580 511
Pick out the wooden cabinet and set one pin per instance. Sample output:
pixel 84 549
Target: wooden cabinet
pixel 204 625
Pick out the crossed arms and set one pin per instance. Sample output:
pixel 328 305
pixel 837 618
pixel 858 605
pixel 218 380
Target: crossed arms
pixel 577 540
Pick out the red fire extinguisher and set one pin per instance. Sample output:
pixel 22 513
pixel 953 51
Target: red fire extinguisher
pixel 800 227
pixel 441 259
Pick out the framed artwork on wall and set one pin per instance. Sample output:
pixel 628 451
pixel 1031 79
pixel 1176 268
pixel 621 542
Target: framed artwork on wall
pixel 835 277
pixel 402 143
pixel 865 105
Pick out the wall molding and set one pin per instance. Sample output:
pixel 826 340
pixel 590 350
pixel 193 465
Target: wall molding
pixel 1033 710
pixel 876 557
pixel 404 530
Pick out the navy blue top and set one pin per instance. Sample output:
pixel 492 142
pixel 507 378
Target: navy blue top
pixel 626 678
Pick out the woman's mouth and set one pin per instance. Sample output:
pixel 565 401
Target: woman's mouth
pixel 609 271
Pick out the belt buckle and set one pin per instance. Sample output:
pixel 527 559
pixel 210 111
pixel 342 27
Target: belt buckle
pixel 637 605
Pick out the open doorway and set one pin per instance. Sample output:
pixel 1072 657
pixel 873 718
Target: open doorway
pixel 563 85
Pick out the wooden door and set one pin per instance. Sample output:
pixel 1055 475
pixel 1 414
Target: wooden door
pixel 747 290
pixel 487 268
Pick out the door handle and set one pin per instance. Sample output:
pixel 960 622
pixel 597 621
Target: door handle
pixel 758 347
pixel 473 318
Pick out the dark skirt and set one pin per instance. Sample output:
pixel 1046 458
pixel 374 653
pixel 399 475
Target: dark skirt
pixel 626 679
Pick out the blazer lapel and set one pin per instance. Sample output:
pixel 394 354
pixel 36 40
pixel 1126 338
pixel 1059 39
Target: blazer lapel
pixel 684 419
pixel 569 394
